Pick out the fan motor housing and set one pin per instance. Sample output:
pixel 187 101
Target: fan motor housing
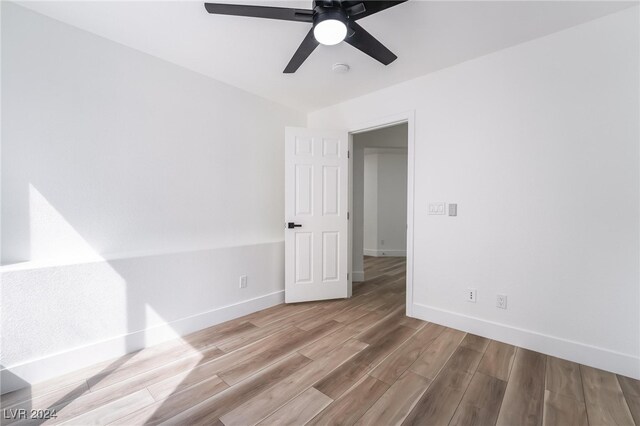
pixel 323 14
pixel 327 3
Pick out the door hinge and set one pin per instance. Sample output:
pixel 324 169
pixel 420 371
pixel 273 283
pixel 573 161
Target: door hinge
pixel 347 215
pixel 348 154
pixel 347 276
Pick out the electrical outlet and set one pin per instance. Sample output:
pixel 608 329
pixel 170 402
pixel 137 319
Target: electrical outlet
pixel 381 242
pixel 243 281
pixel 471 295
pixel 501 301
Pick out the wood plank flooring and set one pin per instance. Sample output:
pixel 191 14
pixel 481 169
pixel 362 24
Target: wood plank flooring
pixel 357 361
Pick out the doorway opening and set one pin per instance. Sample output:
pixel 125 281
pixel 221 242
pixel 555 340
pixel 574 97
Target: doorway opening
pixel 379 191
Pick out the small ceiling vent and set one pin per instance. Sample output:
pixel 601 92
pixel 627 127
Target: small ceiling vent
pixel 340 68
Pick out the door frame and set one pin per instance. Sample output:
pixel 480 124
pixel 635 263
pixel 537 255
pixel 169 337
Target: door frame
pixel 380 123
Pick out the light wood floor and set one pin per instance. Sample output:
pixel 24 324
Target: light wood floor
pixel 337 362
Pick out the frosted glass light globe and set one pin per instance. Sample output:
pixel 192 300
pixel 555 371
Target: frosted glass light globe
pixel 330 32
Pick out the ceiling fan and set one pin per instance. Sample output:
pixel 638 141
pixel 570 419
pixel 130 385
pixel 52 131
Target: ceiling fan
pixel 333 21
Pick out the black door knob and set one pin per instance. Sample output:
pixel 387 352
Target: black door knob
pixel 292 225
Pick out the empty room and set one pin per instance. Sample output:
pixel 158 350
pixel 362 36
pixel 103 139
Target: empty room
pixel 321 212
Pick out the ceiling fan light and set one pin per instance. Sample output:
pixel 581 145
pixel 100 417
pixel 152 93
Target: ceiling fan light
pixel 330 31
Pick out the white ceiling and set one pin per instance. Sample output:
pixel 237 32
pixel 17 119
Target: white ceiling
pixel 251 53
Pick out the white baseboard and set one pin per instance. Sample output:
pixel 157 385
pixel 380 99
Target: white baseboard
pixel 593 356
pixel 358 276
pixel 381 253
pixel 38 370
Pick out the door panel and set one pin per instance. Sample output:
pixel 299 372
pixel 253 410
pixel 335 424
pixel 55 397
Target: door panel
pixel 304 190
pixel 330 256
pixel 304 258
pixel 316 198
pixel 330 190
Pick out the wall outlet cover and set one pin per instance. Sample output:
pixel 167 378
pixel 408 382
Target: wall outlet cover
pixel 501 301
pixel 471 295
pixel 243 281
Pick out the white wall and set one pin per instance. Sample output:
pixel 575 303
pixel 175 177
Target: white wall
pixel 385 201
pixel 128 184
pixel 539 146
pixel 370 211
pixel 392 202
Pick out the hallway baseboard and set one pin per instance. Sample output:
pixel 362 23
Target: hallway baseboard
pixel 381 253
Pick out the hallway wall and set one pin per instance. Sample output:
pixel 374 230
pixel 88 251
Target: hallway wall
pixel 385 201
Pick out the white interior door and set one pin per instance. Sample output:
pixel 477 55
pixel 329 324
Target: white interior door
pixel 316 206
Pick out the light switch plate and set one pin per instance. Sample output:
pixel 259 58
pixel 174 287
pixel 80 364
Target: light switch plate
pixel 453 210
pixel 436 208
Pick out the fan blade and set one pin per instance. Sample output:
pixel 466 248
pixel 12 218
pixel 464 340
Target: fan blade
pixel 354 9
pixel 368 44
pixel 307 46
pixel 282 13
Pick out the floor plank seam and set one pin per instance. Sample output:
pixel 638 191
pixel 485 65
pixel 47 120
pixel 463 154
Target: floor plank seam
pixel 584 391
pixel 375 401
pixel 475 370
pixel 462 398
pixel 513 363
pixel 388 355
pixel 544 405
pixel 624 397
pixel 502 399
pixel 443 364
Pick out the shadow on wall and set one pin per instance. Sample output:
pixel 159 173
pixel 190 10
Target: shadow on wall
pixel 53 240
